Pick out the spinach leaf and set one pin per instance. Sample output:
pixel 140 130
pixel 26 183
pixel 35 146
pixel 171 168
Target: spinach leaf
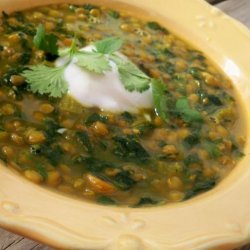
pixel 191 159
pixel 41 170
pixel 157 27
pixel 191 140
pixel 160 99
pixel 214 100
pixel 53 153
pixel 187 113
pixel 168 68
pixel 127 117
pixel 144 127
pixel 114 14
pixel 105 200
pixel 211 103
pixel 94 118
pixel 195 72
pixel 146 201
pixel 50 127
pixel 27 51
pixel 196 55
pixel 89 7
pixel 123 180
pixel 95 165
pixel 25 57
pixel 104 144
pixel 199 187
pixel 168 53
pixel 212 149
pixel 84 139
pixel 236 151
pixel 130 149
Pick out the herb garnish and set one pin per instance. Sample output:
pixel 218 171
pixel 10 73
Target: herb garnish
pixel 103 53
pixel 46 80
pixel 131 76
pixel 93 62
pixel 96 61
pixel 109 45
pixel 45 42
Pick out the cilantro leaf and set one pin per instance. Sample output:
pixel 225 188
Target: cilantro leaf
pixel 187 113
pixel 159 98
pixel 45 42
pixel 131 76
pixel 108 45
pixel 94 62
pixel 133 82
pixel 46 80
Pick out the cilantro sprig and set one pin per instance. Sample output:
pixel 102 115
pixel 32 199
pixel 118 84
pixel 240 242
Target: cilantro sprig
pixel 43 79
pixel 109 45
pixel 48 80
pixel 131 76
pixel 93 61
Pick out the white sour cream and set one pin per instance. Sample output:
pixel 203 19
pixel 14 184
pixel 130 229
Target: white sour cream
pixel 104 91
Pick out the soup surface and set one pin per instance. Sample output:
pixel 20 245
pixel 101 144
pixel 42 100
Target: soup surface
pixel 184 146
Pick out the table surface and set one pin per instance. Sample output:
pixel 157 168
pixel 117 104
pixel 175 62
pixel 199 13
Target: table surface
pixel 239 9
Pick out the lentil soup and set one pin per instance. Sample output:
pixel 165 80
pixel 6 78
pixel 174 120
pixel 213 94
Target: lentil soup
pixel 184 146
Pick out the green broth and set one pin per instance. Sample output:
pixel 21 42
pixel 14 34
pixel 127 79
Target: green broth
pixel 110 158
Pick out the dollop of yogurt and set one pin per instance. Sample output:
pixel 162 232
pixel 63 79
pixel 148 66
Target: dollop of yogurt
pixel 103 91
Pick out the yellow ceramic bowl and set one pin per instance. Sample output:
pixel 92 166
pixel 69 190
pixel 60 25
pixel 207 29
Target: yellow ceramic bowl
pixel 219 219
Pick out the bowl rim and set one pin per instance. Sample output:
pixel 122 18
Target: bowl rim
pixel 199 223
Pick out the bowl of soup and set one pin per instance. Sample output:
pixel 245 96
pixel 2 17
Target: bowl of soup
pixel 124 125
